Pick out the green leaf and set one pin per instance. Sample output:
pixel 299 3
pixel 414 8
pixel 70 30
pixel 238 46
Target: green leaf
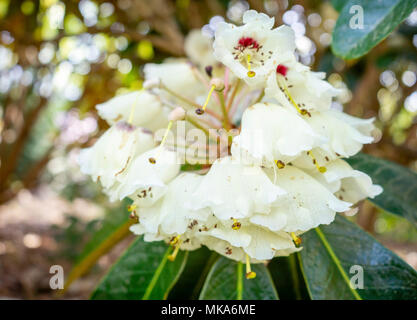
pixel 142 272
pixel 288 278
pixel 114 228
pixel 399 183
pixel 191 281
pixel 330 252
pixel 227 281
pixel 380 18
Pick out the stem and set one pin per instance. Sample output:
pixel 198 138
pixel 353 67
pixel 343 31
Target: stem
pixel 196 124
pixel 226 121
pixel 232 98
pixel 190 102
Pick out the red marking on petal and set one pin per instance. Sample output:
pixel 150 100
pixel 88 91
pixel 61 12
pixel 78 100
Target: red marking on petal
pixel 248 42
pixel 281 69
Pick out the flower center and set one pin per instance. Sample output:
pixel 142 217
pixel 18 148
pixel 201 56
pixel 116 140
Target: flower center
pixel 248 42
pixel 248 52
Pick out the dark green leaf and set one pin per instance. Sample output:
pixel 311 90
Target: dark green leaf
pixel 399 183
pixel 142 272
pixel 195 272
pixel 288 279
pixel 330 252
pixel 227 281
pixel 380 18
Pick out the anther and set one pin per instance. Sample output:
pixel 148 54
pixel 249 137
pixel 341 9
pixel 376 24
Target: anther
pixel 236 225
pixel 175 240
pixel 297 240
pixel 249 273
pixel 152 160
pixel 279 164
pixel 131 207
pixel 209 71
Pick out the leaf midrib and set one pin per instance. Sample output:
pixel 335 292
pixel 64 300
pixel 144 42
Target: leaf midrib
pixel 156 275
pixel 336 261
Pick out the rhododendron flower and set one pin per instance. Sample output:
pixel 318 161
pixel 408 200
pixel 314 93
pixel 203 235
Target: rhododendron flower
pixel 251 193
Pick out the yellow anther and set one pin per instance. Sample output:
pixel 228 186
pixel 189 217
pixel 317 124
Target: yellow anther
pixel 319 168
pixel 249 273
pixel 250 73
pixel 236 225
pixel 297 240
pixel 279 164
pixel 132 207
pixel 175 240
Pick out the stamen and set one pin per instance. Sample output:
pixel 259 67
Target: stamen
pixel 153 160
pixel 319 168
pixel 176 242
pixel 200 111
pixel 250 73
pixel 297 240
pixel 236 225
pixel 284 88
pixel 279 164
pixel 249 273
pixel 132 207
pixel 173 255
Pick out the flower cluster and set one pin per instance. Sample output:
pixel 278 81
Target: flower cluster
pixel 267 164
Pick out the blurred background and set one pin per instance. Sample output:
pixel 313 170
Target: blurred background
pixel 58 59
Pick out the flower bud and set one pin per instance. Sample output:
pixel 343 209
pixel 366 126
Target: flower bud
pixel 177 114
pixel 217 83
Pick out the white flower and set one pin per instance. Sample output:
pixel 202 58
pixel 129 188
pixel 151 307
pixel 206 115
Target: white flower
pixel 280 177
pixel 257 242
pixel 144 181
pixel 232 190
pixel 114 152
pixel 269 133
pixel 305 205
pixel 178 76
pixel 170 215
pixel 140 108
pixel 293 83
pixel 253 50
pixel 347 184
pixel 199 48
pixel 346 133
